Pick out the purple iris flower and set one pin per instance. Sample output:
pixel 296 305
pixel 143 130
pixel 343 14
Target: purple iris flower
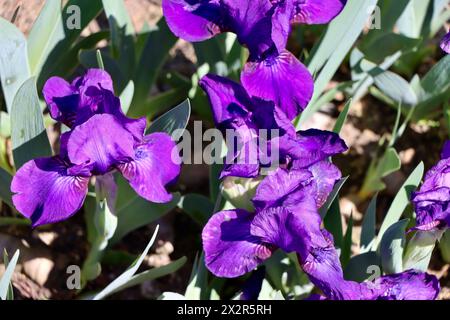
pixel 234 109
pixel 445 43
pixel 432 200
pixel 263 26
pixel 102 140
pixel 287 218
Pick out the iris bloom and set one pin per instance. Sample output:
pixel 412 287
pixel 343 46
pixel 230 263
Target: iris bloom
pixel 432 200
pixel 287 218
pixel 234 109
pixel 445 43
pixel 101 140
pixel 263 26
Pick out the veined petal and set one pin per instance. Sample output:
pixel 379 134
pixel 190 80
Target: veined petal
pixel 317 11
pixel 62 100
pixel 101 141
pixel 47 190
pixel 154 165
pixel 96 78
pixel 445 43
pixel 408 285
pixel 311 146
pixel 230 249
pixel 279 185
pixel 193 20
pixel 281 79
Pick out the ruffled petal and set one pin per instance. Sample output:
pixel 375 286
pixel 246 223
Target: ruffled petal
pixel 230 249
pixel 193 20
pixel 278 186
pixel 62 100
pixel 317 11
pixel 101 141
pixel 96 78
pixel 267 79
pixel 155 164
pixel 445 43
pixel 47 190
pixel 228 99
pixel 408 285
pixel 311 146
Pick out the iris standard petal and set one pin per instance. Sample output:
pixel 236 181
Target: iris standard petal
pixel 282 79
pixel 445 43
pixel 62 100
pixel 316 11
pixel 154 165
pixel 230 249
pixel 47 190
pixel 101 141
pixel 193 20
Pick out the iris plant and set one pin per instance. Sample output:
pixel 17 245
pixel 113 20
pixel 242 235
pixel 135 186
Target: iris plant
pixel 101 140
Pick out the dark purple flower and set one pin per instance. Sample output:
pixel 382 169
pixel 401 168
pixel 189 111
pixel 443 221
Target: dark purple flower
pixel 263 26
pixel 253 285
pixel 75 103
pixel 287 218
pixel 233 109
pixel 445 43
pixel 432 201
pixel 102 140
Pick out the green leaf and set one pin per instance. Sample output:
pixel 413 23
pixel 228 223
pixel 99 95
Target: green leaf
pixel 159 103
pixel 134 212
pixel 125 277
pixel 29 138
pixel 380 168
pixel 419 250
pixel 387 45
pixel 88 10
pixel 198 283
pixel 6 278
pixel 333 223
pixel 338 186
pixel 117 11
pixel 412 21
pixel 14 67
pixel 395 87
pixel 342 118
pixel 159 42
pixel 5 187
pixel 392 246
pixel 402 199
pixel 368 228
pixel 358 267
pixel 346 251
pixel 436 80
pixel 334 46
pixel 444 245
pixel 173 122
pixel 197 206
pixel 126 97
pixel 47 31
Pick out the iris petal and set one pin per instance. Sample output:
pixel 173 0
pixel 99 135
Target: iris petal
pixel 154 165
pixel 445 43
pixel 102 141
pixel 230 249
pixel 281 79
pixel 316 11
pixel 47 190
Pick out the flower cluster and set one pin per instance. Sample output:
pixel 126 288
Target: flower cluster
pixel 101 140
pixel 275 89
